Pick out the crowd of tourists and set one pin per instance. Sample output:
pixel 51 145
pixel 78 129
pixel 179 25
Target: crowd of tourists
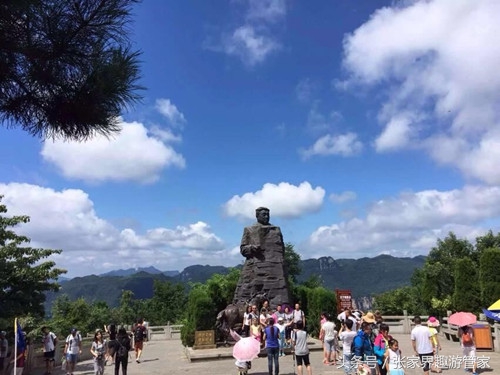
pixel 110 345
pixel 364 339
pixel 113 349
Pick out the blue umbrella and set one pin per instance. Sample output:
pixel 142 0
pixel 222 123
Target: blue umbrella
pixel 495 315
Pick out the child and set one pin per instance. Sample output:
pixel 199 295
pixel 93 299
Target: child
pixel 281 328
pixel 393 359
pixel 255 329
pixel 242 367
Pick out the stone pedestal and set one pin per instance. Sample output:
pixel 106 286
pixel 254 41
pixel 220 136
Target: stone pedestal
pixel 264 273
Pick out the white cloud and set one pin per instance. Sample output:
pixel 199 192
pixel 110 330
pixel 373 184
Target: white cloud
pixel 67 220
pixel 343 197
pixel 317 122
pixel 133 155
pixel 440 59
pixel 284 200
pixel 256 38
pixel 249 45
pixel 411 223
pixel 343 145
pixel 395 136
pixel 170 111
pixel 266 10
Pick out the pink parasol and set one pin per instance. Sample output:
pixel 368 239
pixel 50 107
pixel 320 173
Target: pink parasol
pixel 462 319
pixel 246 349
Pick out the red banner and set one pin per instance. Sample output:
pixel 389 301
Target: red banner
pixel 344 300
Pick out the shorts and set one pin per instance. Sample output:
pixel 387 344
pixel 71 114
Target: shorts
pixel 303 358
pixel 330 346
pixel 470 351
pixel 73 358
pixel 426 360
pixel 49 356
pixel 138 345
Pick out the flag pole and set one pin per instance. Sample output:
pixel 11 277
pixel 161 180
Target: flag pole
pixel 15 345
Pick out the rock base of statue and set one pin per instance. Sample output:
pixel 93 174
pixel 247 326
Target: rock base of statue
pixel 264 275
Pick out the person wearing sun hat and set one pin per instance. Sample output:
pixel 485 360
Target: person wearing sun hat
pixel 370 319
pixel 432 323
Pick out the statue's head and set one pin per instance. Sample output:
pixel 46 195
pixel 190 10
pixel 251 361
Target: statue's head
pixel 262 214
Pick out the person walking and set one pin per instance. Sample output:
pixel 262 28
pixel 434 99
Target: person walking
pixel 422 344
pixel 120 347
pixel 468 343
pixel 49 349
pixel 271 338
pixel 299 341
pixel 98 351
pixel 347 336
pixel 72 349
pixel 432 323
pixel 328 334
pixel 280 325
pixel 139 334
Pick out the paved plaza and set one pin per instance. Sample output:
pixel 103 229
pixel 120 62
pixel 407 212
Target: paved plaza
pixel 169 357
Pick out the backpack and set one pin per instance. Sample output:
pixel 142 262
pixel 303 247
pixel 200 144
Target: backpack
pixel 467 339
pixel 138 334
pixel 122 350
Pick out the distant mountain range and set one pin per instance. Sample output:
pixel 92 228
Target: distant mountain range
pixel 151 270
pixel 365 277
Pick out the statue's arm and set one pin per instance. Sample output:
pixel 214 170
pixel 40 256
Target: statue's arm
pixel 247 249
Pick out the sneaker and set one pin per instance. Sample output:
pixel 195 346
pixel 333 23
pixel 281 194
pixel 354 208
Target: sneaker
pixel 137 360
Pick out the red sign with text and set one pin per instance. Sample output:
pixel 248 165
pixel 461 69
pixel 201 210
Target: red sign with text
pixel 344 300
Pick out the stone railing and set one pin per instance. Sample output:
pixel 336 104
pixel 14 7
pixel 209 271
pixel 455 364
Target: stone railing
pixel 168 332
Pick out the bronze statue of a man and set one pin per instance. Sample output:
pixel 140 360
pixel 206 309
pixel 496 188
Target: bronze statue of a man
pixel 264 272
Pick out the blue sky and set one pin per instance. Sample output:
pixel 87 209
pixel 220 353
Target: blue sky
pixel 367 127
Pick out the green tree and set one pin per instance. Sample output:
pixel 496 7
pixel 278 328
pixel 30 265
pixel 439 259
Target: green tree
pixel 488 241
pixel 67 68
pixel 80 314
pixel 467 294
pixel 319 300
pixel 127 312
pixel 394 302
pixel 60 310
pixel 314 281
pixel 100 315
pixel 437 277
pixel 489 277
pixel 221 288
pixel 168 303
pixel 292 263
pixel 26 275
pixel 200 314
